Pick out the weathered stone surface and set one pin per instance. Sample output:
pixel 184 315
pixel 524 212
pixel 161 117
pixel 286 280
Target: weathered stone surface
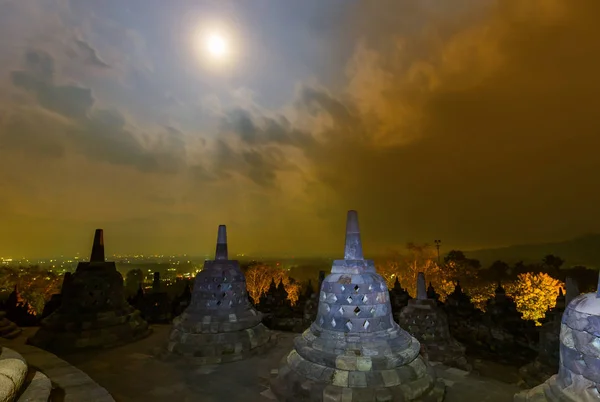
pixel 220 324
pixel 354 350
pixel 53 372
pixel 578 378
pixel 94 312
pixel 8 329
pixel 37 389
pixel 424 320
pixel 13 370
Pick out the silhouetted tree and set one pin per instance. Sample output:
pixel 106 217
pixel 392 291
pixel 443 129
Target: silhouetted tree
pixel 499 271
pixel 519 268
pixel 460 268
pixel 551 265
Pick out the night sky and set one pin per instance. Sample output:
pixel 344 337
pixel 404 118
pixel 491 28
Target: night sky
pixel 472 121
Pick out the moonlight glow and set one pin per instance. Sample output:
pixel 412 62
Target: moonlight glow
pixel 216 45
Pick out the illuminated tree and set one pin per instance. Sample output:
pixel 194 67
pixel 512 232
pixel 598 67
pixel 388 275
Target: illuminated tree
pixel 417 258
pixel 534 294
pixel 259 277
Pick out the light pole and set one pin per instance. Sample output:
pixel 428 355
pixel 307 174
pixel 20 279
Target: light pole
pixel 437 245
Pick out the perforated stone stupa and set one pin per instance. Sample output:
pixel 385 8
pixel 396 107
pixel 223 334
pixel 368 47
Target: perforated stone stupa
pixel 355 351
pixel 578 378
pixel 220 325
pixel 429 324
pixel 93 312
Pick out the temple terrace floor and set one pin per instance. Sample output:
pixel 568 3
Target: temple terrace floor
pixel 133 373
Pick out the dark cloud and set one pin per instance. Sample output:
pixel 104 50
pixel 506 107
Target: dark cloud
pixel 67 100
pixel 503 111
pixel 99 134
pixel 482 134
pixel 89 54
pixel 256 129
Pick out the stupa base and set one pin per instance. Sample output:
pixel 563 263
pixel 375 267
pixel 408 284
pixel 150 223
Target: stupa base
pixel 301 380
pixel 534 373
pixel 451 354
pixel 219 347
pixel 109 330
pixel 8 329
pixel 581 390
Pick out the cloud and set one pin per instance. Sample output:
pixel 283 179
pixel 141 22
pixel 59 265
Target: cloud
pixel 473 122
pixel 100 134
pixel 89 54
pixel 68 100
pixel 480 132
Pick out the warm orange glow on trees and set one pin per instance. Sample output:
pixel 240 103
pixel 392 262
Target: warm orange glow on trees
pixel 258 279
pixel 534 294
pixel 417 258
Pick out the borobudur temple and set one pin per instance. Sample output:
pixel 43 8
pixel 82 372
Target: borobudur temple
pixel 220 324
pixel 354 350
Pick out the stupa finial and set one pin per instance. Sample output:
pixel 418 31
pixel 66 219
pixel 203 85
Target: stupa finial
pixel 221 253
pixel 98 247
pixel 353 250
pixel 421 290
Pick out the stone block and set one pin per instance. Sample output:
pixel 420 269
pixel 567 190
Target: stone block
pixel 363 363
pixel 346 363
pixel 390 378
pixel 332 393
pixel 340 378
pixel 357 379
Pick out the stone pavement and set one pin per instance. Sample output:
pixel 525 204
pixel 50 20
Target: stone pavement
pixel 51 378
pixel 132 373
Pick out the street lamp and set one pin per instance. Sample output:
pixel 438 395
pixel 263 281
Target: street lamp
pixel 437 245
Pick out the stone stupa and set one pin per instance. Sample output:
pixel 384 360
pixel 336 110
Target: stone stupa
pixel 355 351
pixel 429 324
pixel 8 329
pixel 578 378
pixel 220 324
pixel 93 312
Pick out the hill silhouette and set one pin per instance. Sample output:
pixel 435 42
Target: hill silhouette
pixel 583 250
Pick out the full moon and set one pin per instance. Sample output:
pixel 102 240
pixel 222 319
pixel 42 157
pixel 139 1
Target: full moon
pixel 216 45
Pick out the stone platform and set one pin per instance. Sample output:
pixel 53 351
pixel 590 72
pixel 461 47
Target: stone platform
pixel 30 374
pixel 133 373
